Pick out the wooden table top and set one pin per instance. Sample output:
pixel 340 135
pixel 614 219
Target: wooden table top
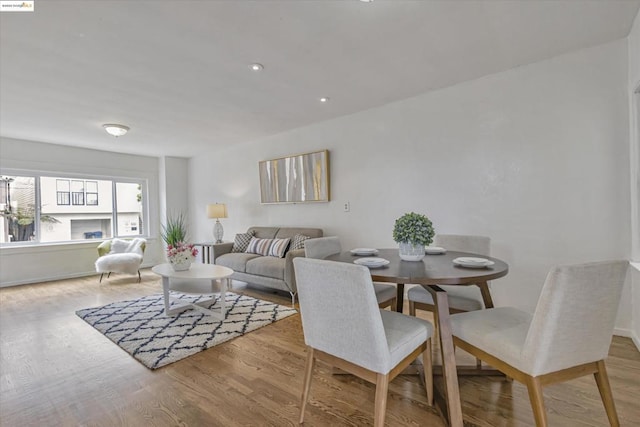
pixel 432 270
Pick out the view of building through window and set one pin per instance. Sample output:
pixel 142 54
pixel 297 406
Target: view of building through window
pixel 69 209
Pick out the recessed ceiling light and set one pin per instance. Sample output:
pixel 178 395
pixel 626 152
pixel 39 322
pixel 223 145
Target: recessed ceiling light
pixel 324 99
pixel 256 67
pixel 366 1
pixel 115 129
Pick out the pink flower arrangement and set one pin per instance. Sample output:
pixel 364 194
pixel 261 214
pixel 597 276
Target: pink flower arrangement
pixel 181 252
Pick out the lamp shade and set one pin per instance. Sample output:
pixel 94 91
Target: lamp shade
pixel 217 210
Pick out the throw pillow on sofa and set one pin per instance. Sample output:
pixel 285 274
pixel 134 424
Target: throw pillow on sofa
pixel 241 241
pixel 268 247
pixel 298 241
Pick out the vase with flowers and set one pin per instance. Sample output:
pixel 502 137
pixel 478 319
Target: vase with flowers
pixel 413 232
pixel 179 253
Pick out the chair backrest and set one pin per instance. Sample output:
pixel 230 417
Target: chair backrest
pixel 322 247
pixel 575 316
pixel 340 313
pixel 480 245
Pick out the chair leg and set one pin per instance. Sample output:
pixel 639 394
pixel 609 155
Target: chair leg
pixel 427 364
pixel 412 308
pixel 139 277
pixel 308 370
pixel 101 274
pixel 602 379
pixel 109 275
pixel 382 389
pixel 537 401
pixel 394 305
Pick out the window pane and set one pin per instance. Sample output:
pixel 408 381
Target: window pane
pixel 129 205
pixel 75 221
pixel 17 204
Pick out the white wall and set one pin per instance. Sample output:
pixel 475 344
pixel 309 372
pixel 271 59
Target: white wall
pixel 28 264
pixel 634 84
pixel 535 157
pixel 174 180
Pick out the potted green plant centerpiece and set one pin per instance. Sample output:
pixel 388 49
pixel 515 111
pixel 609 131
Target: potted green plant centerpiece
pixel 413 232
pixel 180 253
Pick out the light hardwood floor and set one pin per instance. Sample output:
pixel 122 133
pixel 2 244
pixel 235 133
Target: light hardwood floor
pixel 56 370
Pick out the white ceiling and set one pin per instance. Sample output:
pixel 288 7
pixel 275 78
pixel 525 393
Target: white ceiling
pixel 177 72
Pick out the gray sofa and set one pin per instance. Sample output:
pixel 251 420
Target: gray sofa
pixel 269 271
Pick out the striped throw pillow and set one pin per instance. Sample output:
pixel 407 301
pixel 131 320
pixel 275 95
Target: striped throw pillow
pixel 268 247
pixel 259 246
pixel 279 247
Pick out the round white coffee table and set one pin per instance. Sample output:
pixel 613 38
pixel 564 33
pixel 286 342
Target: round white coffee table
pixel 197 272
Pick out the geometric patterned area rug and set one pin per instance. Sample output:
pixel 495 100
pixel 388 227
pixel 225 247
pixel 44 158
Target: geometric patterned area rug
pixel 141 328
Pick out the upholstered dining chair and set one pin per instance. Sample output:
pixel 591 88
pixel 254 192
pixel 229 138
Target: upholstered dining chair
pixel 344 327
pixel 322 247
pixel 461 298
pixel 120 256
pixel 567 336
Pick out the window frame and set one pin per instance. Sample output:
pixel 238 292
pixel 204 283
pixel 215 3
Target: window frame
pixel 37 175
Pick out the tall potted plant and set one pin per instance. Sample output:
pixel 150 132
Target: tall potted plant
pixel 413 232
pixel 180 253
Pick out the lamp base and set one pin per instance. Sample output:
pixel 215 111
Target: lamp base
pixel 218 231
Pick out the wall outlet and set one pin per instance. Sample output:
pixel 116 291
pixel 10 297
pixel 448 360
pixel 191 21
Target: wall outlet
pixel 347 207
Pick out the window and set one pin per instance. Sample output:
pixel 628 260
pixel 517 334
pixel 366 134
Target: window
pixel 77 192
pixel 18 207
pixel 63 194
pixel 91 193
pixel 59 209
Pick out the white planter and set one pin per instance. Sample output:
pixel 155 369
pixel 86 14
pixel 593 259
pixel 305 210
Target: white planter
pixel 411 252
pixel 182 265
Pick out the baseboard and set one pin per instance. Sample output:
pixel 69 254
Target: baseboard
pixel 58 277
pixel 628 333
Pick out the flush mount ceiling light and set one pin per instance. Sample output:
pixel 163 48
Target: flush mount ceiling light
pixel 116 130
pixel 256 67
pixel 324 99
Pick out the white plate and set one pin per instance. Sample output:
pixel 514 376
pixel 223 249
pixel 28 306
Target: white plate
pixel 371 262
pixel 364 251
pixel 471 262
pixel 435 250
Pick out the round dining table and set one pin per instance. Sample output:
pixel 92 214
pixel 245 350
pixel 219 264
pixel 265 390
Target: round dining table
pixel 431 271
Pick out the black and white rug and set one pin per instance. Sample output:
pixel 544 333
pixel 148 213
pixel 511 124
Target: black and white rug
pixel 141 328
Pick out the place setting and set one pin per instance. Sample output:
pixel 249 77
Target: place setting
pixel 473 262
pixel 372 262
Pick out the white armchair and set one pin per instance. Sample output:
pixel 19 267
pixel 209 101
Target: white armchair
pixel 120 256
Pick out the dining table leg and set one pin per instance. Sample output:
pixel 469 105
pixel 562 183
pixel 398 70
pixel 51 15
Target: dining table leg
pixel 486 294
pixel 399 297
pixel 449 368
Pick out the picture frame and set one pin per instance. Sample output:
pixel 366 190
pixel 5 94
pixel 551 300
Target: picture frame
pixel 300 178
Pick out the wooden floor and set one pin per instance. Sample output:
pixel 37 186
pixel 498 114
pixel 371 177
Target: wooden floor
pixel 56 370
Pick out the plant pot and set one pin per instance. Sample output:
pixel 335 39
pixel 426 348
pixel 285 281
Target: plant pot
pixel 182 265
pixel 411 252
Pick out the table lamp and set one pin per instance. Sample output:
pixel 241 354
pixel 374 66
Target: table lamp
pixel 217 211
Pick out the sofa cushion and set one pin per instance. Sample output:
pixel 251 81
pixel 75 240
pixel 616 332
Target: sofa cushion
pixel 290 232
pixel 237 261
pixel 242 241
pixel 267 266
pixel 298 242
pixel 264 232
